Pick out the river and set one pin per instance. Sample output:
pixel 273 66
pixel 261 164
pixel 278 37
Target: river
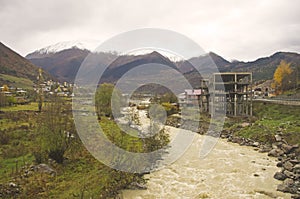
pixel 229 171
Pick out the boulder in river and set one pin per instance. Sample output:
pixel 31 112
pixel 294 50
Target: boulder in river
pixel 287 186
pixel 279 164
pixel 288 148
pixel 288 174
pixel 288 166
pixel 278 138
pixel 279 176
pixel 296 168
pixel 275 153
pixel 255 144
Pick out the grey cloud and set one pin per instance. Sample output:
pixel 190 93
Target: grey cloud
pixel 234 29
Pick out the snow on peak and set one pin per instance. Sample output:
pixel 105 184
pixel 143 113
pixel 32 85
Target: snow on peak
pixel 84 45
pixel 91 45
pixel 168 54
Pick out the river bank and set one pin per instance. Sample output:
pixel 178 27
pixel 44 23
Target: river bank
pixel 274 130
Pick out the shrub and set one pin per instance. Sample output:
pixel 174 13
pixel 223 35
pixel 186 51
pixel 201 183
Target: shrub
pixel 55 130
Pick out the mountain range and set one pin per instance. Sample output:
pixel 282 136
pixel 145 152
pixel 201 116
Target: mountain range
pixel 65 63
pixel 63 60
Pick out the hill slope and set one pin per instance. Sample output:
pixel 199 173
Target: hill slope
pixel 15 69
pixel 63 65
pixel 264 68
pixel 125 63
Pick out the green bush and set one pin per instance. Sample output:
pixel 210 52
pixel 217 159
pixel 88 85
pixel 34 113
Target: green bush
pixel 170 109
pixel 105 95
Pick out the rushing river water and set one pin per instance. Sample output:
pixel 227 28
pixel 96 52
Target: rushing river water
pixel 229 171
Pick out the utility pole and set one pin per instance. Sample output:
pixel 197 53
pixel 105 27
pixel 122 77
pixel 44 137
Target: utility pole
pixel 40 90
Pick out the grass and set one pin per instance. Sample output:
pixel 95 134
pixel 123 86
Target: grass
pixel 33 106
pixel 16 81
pixel 80 176
pixel 8 166
pixel 77 178
pixel 270 119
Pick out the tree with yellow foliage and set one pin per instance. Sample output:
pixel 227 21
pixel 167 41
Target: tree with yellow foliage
pixel 5 88
pixel 282 77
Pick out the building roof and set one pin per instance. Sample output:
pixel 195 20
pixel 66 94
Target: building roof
pixel 193 91
pixel 21 91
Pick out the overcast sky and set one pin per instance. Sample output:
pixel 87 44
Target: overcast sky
pixel 234 29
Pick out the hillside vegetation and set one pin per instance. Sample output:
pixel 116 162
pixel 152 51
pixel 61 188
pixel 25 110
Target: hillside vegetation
pixel 15 69
pixel 269 119
pixel 41 155
pixel 17 82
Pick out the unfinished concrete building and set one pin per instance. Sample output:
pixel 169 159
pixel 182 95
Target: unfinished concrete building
pixel 204 97
pixel 227 93
pixel 231 92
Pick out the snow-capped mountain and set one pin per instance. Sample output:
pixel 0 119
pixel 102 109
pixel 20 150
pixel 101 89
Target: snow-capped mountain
pixel 84 45
pixel 89 45
pixel 170 55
